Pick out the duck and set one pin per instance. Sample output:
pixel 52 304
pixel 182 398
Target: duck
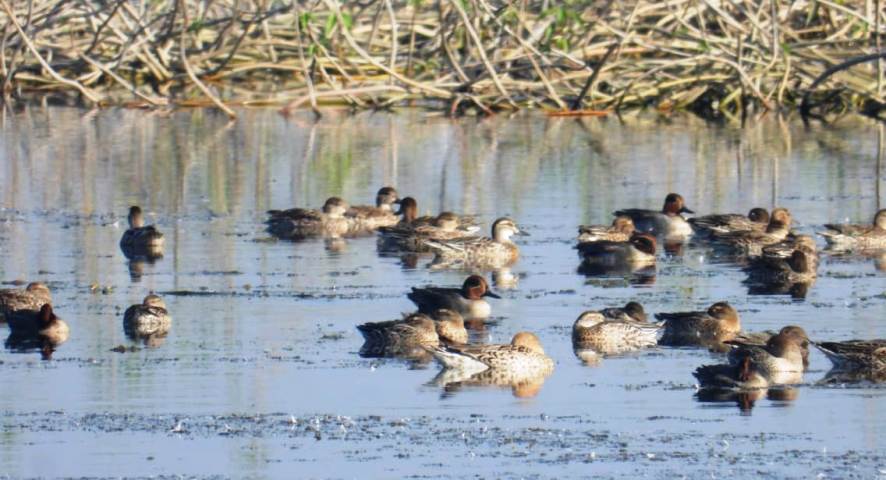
pixel 751 242
pixel 719 323
pixel 593 330
pixel 404 338
pixel 746 375
pixel 32 297
pixel 449 327
pixel 668 222
pixel 41 325
pixel 638 251
pixel 757 219
pixel 495 252
pixel 410 219
pixel 298 223
pixel 467 301
pixel 140 236
pixel 620 231
pixel 785 248
pixel 370 218
pixel 782 360
pixel 412 238
pixel 524 356
pixel 862 237
pixel 763 338
pixel 149 318
pixel 631 312
pixel 780 272
pixel 856 354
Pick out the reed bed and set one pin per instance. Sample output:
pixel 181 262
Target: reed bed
pixel 717 58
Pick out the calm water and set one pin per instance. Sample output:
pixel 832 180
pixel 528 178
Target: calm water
pixel 260 374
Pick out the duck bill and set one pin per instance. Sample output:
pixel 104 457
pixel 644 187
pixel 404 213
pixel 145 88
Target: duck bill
pixel 686 210
pixel 523 233
pixel 491 294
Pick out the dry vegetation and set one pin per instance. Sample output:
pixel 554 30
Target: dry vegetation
pixel 714 57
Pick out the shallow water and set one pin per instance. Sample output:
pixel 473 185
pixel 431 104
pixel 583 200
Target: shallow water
pixel 260 374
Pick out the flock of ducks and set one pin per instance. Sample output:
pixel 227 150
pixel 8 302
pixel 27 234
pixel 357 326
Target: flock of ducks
pixel 774 258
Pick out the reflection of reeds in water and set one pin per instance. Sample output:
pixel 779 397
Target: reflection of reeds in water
pixel 100 163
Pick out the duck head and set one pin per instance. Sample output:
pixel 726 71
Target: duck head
pixel 386 197
pixel 446 221
pixel 408 208
pixel 46 316
pixel 37 288
pixel 798 336
pixel 476 287
pixel 588 319
pixel 643 242
pixel 759 215
pixel 445 315
pixel 504 228
pixel 335 207
pixel 136 219
pixel 635 311
pixel 624 225
pixel 154 301
pixel 791 343
pixel 726 313
pixel 779 220
pixel 674 205
pixel 880 219
pixel 528 340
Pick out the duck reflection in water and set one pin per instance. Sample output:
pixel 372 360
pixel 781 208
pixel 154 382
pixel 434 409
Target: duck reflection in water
pixel 745 400
pixel 522 386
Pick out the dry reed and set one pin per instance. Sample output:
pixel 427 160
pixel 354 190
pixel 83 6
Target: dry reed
pixel 715 57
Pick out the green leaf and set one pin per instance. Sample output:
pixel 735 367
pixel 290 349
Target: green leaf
pixel 304 19
pixel 330 24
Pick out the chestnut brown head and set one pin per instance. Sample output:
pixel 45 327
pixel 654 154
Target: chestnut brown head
pixel 644 242
pixel 475 287
pixel 46 316
pixel 408 208
pixel 675 205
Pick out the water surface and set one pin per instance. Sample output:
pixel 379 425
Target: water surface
pixel 260 374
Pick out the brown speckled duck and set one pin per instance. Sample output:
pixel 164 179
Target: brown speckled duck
pixel 149 318
pixel 861 237
pixel 32 297
pixel 716 325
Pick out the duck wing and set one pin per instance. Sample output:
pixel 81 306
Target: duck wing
pixel 845 229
